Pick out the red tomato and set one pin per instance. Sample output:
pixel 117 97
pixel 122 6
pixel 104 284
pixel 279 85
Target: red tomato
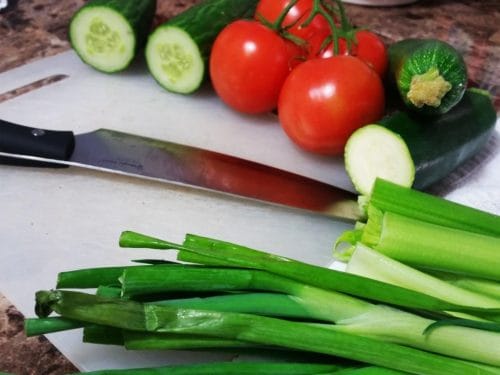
pixel 367 46
pixel 323 101
pixel 313 34
pixel 248 65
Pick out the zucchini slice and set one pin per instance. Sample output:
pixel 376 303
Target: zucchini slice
pixel 375 151
pixel 430 75
pixel 107 34
pixel 417 151
pixel 177 51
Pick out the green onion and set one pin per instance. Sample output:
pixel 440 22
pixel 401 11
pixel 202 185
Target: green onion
pixel 387 196
pixel 89 278
pixel 321 303
pixel 214 252
pixel 80 306
pixel 294 335
pixel 254 329
pixel 487 326
pixel 42 326
pixel 308 302
pixel 231 368
pixel 269 304
pixel 402 315
pixel 486 287
pixel 366 262
pixel 460 341
pixel 109 291
pixel 134 340
pixel 352 315
pixel 432 246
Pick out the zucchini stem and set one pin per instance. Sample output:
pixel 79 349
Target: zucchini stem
pixel 428 88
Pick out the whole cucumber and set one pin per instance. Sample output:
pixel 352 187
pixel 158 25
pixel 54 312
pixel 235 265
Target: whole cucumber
pixel 177 51
pixel 430 75
pixel 417 151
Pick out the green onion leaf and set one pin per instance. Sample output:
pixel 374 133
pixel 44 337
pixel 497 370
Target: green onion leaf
pixel 486 326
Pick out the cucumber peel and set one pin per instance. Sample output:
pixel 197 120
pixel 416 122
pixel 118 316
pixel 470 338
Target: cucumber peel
pixel 375 151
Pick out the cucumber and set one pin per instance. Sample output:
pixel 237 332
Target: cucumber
pixel 430 75
pixel 417 151
pixel 375 151
pixel 107 34
pixel 177 51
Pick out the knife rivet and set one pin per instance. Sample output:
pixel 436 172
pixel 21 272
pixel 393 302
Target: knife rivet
pixel 37 132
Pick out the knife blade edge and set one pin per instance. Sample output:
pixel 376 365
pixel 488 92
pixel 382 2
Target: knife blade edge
pixel 346 209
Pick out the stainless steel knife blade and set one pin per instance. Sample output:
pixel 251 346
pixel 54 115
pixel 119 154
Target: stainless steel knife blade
pixel 117 152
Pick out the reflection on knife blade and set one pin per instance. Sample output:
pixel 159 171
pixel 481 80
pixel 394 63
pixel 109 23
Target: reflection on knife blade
pixel 112 151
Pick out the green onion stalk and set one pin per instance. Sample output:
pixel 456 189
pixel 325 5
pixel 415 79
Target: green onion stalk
pixel 223 253
pixel 367 262
pixel 486 287
pixel 252 368
pixel 223 368
pixel 418 205
pixel 310 337
pixel 351 314
pixel 427 244
pixel 431 246
pixel 202 250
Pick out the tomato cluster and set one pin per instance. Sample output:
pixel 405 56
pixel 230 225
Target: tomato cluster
pixel 321 75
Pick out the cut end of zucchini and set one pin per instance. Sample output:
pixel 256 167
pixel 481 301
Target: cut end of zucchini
pixel 103 38
pixel 374 151
pixel 428 89
pixel 174 60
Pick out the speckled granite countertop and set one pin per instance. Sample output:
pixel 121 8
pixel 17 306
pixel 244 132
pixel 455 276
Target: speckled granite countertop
pixel 33 29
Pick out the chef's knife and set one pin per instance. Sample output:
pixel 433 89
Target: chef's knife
pixel 113 151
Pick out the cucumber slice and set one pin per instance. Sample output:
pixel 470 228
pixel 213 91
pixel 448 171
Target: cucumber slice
pixel 374 151
pixel 175 60
pixel 103 39
pixel 107 34
pixel 178 50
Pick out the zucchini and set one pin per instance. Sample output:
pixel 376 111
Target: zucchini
pixel 177 51
pixel 107 34
pixel 430 75
pixel 417 151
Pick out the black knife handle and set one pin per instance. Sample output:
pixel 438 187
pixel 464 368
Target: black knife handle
pixel 50 144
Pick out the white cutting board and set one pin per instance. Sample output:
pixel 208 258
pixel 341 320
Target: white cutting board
pixel 53 220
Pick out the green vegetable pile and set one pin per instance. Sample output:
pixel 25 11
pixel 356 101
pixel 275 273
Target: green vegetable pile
pixel 421 295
